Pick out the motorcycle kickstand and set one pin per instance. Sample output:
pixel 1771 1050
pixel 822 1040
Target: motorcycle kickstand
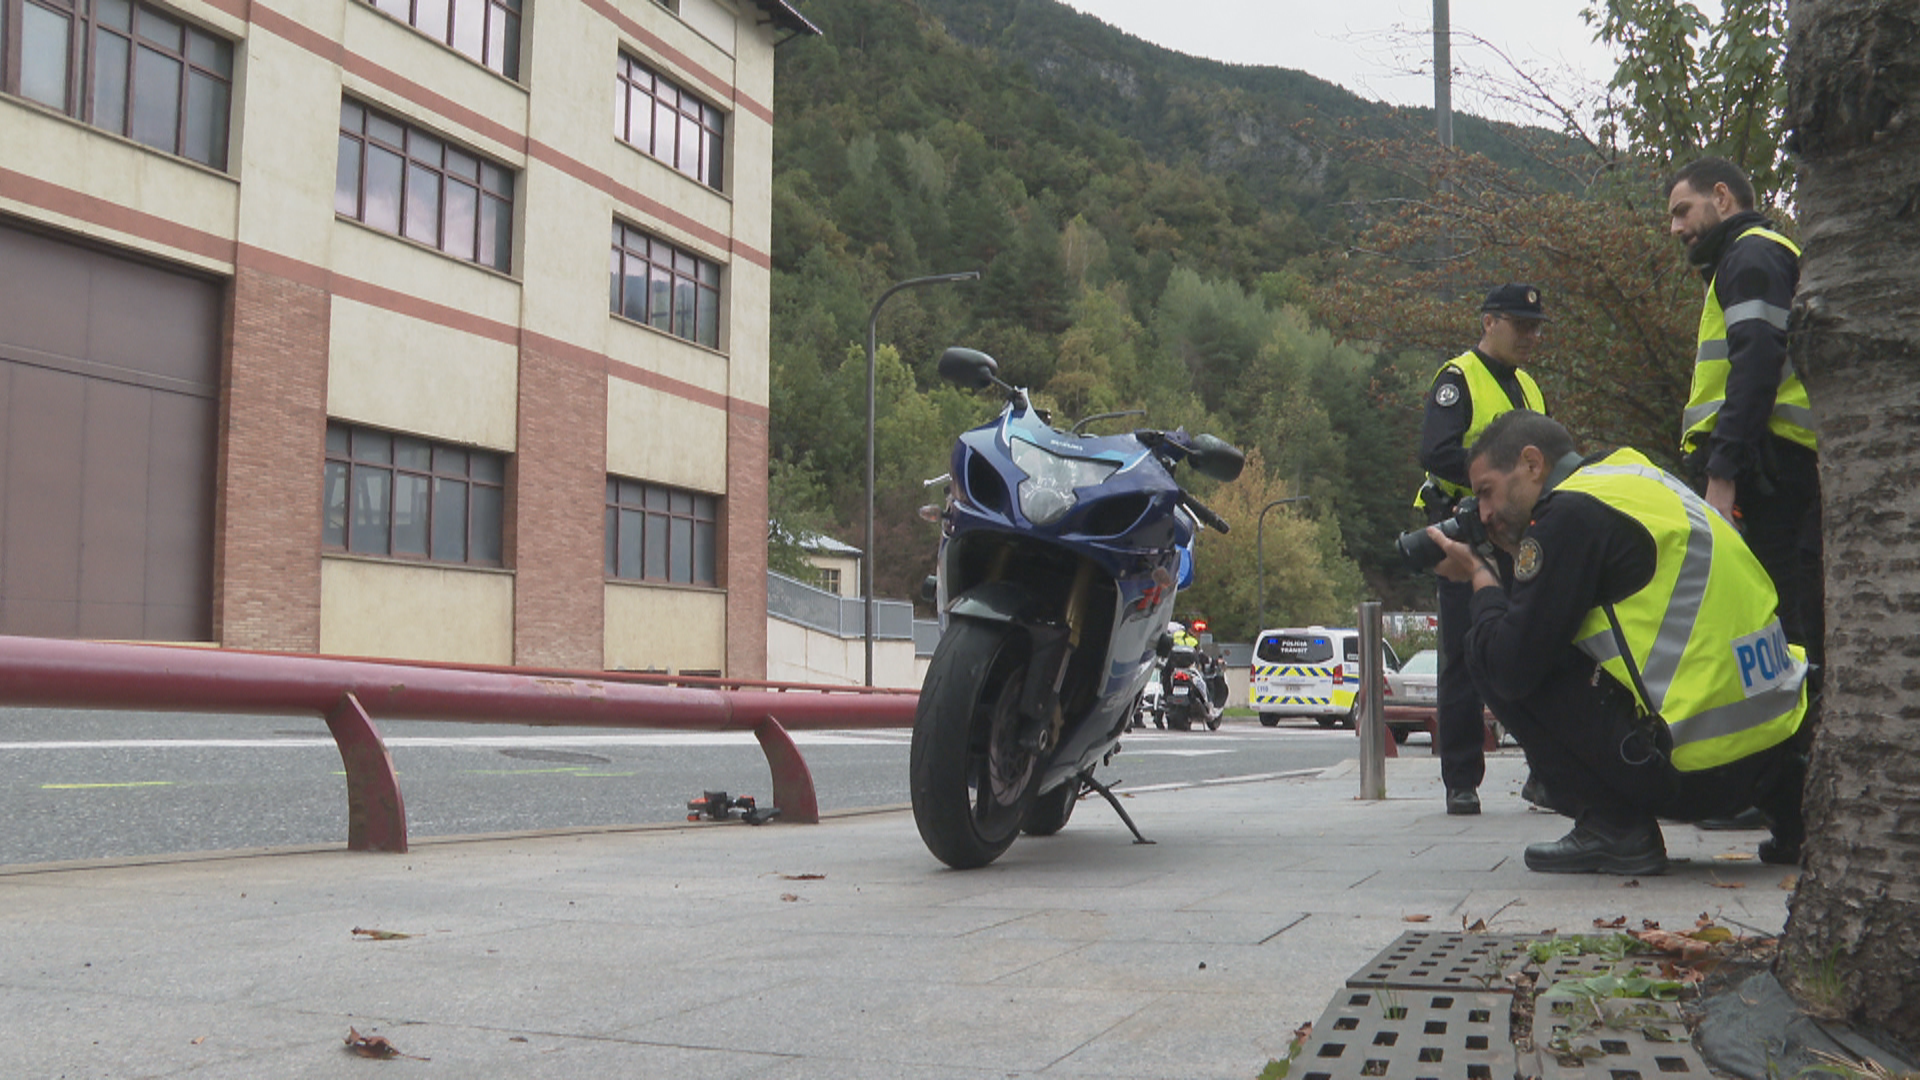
pixel 1095 785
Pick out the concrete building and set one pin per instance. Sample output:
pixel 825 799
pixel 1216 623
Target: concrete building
pixel 432 329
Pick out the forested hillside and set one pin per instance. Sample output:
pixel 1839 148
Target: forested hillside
pixel 1152 231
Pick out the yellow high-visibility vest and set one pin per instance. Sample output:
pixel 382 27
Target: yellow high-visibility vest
pixel 1703 632
pixel 1792 416
pixel 1486 399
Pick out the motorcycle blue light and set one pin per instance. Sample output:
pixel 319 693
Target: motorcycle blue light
pixel 1047 493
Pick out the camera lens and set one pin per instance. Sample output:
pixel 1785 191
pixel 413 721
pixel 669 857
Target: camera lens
pixel 1418 550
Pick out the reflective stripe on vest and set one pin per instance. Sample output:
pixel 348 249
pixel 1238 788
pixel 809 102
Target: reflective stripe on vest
pixel 1482 387
pixel 1792 416
pixel 1703 631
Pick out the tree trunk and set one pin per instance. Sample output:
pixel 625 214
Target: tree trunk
pixel 1852 948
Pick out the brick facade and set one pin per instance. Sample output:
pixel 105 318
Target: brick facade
pixel 558 528
pixel 745 533
pixel 266 568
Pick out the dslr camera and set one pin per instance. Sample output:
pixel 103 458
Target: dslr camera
pixel 1419 550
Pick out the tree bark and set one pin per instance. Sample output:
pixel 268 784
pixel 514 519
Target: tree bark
pixel 1852 948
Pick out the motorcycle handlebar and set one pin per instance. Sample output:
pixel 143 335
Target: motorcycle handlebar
pixel 1207 517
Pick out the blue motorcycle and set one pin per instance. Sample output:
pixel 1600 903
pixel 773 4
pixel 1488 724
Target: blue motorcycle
pixel 1060 555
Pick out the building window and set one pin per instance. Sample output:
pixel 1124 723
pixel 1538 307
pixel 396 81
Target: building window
pixel 657 533
pixel 404 497
pixel 827 579
pixel 125 67
pixel 486 30
pixel 400 179
pixel 666 288
pixel 662 120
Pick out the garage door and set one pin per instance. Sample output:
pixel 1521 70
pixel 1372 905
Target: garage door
pixel 109 386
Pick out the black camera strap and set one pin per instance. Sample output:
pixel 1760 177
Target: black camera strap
pixel 1653 716
pixel 1633 669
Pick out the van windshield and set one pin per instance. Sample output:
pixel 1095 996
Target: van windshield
pixel 1295 649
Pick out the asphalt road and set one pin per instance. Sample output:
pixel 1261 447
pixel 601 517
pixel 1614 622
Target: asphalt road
pixel 88 785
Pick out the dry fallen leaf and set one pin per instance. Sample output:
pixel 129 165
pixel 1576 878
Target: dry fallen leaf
pixel 380 935
pixel 1479 925
pixel 376 1046
pixel 1790 882
pixel 199 1040
pixel 1734 856
pixel 516 1038
pixel 803 877
pixel 1649 924
pixel 789 897
pixel 1615 923
pixel 1416 918
pixel 1630 883
pixel 1718 884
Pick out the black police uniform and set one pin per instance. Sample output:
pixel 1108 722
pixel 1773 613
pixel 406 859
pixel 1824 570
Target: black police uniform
pixel 1599 762
pixel 1443 453
pixel 1777 480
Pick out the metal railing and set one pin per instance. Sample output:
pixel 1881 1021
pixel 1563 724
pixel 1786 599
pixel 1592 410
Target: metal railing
pixel 348 692
pixel 831 613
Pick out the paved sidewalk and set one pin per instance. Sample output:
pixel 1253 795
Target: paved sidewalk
pixel 839 951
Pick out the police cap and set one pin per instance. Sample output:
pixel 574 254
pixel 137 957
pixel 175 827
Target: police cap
pixel 1515 302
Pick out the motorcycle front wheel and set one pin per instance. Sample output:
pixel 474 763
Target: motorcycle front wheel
pixel 970 780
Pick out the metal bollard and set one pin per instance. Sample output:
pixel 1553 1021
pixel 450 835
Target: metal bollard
pixel 1373 727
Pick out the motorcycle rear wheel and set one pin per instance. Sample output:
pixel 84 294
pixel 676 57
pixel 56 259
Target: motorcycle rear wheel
pixel 970 780
pixel 1050 811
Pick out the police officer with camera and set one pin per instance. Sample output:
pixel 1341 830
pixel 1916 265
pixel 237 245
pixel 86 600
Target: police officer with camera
pixel 1467 393
pixel 1637 654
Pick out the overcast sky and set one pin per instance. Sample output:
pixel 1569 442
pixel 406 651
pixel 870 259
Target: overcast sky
pixel 1373 47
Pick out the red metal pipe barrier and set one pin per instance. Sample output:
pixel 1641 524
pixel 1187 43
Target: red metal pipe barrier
pixel 78 674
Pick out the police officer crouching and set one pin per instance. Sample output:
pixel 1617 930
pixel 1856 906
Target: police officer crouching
pixel 1636 654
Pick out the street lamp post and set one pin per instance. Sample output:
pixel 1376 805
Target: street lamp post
pixel 1260 564
pixel 866 557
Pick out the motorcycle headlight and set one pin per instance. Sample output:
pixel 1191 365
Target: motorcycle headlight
pixel 1047 493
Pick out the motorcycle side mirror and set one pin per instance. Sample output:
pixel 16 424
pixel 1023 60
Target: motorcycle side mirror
pixel 968 368
pixel 1211 456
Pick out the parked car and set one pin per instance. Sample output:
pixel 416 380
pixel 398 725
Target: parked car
pixel 1417 681
pixel 1309 671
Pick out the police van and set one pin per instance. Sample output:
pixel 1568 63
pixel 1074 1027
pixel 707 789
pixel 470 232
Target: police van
pixel 1309 671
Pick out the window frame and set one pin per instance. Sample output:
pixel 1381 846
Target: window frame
pixel 80 79
pixel 631 504
pixel 634 79
pixel 344 464
pixel 681 269
pixel 507 15
pixel 418 150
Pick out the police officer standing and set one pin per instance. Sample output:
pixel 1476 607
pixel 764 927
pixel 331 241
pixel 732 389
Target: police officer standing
pixel 1749 428
pixel 1636 656
pixel 1468 392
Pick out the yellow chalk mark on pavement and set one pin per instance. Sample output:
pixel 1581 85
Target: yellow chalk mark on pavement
pixel 123 783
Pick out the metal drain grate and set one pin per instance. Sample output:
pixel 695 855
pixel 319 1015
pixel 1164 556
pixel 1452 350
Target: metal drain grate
pixel 1410 1035
pixel 1564 968
pixel 1629 1040
pixel 1429 960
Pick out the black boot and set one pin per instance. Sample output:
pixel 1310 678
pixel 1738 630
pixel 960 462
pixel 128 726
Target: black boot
pixel 1598 847
pixel 1463 801
pixel 1748 819
pixel 1782 806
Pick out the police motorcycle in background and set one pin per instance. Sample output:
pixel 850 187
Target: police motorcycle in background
pixel 1196 684
pixel 1058 565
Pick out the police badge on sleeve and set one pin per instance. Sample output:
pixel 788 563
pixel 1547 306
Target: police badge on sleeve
pixel 1526 560
pixel 1447 395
